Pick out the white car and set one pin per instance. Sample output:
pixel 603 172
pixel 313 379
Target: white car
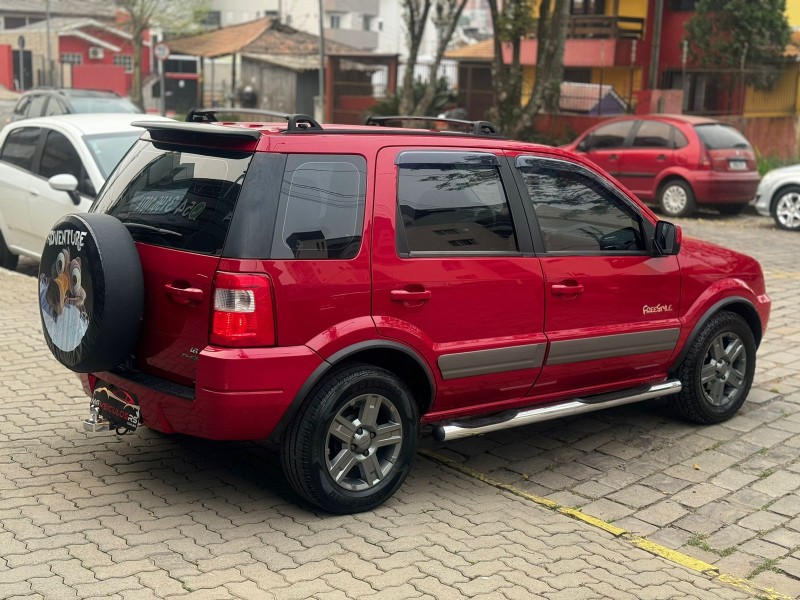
pixel 778 196
pixel 52 166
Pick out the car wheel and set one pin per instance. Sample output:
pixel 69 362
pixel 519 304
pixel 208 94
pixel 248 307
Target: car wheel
pixel 351 445
pixel 8 260
pixel 718 370
pixel 730 209
pixel 786 208
pixel 676 198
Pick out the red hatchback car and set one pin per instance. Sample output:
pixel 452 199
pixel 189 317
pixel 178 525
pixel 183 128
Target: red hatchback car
pixel 332 288
pixel 676 161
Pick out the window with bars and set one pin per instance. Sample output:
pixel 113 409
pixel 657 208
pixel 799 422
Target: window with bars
pixel 71 58
pixel 124 60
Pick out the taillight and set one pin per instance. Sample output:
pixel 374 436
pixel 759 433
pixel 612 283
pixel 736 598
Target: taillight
pixel 705 159
pixel 243 312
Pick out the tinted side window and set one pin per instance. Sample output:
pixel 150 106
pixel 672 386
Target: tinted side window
pixel 454 204
pixel 576 213
pixel 321 209
pixel 22 106
pixel 175 198
pixel 612 135
pixel 652 134
pixel 37 106
pixel 20 146
pixel 53 108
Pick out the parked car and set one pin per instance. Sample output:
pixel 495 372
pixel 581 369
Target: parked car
pixel 48 102
pixel 53 166
pixel 330 288
pixel 675 161
pixel 778 196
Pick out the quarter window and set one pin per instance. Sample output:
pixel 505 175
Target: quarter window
pixel 576 213
pixel 321 209
pixel 20 146
pixel 453 202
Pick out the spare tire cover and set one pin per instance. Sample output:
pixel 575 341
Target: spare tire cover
pixel 91 292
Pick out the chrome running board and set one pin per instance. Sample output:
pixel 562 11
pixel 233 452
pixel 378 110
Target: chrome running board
pixel 454 430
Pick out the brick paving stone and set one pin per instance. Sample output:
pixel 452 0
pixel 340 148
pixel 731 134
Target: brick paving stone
pixel 92 513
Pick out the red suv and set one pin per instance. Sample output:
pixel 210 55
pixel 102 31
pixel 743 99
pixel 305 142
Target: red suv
pixel 331 288
pixel 677 161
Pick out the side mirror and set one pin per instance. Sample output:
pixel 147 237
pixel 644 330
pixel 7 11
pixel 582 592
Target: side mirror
pixel 667 239
pixel 63 183
pixel 66 183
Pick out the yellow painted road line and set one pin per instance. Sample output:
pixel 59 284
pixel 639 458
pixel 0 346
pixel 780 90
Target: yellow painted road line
pixel 673 556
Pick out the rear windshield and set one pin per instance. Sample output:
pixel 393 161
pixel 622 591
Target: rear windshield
pixel 720 137
pixel 83 104
pixel 177 198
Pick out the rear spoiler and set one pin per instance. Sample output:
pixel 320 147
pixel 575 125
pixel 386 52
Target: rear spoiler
pixel 193 131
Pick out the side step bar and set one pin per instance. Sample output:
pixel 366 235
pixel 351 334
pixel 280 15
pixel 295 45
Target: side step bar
pixel 454 430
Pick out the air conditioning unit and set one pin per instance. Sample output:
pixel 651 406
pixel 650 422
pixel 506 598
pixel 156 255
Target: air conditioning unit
pixel 96 52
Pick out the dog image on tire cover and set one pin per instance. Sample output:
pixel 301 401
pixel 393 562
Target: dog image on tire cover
pixel 62 299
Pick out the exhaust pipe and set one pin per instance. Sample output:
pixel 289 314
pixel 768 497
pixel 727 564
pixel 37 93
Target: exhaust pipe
pixel 445 432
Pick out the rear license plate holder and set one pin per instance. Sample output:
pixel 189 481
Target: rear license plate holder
pixel 737 165
pixel 117 406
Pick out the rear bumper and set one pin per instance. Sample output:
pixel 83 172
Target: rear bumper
pixel 240 393
pixel 714 187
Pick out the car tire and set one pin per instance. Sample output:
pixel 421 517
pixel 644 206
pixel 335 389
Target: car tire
pixel 333 455
pixel 676 198
pixel 717 371
pixel 91 292
pixel 786 208
pixel 730 209
pixel 8 260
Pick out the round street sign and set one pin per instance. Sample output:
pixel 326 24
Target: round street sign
pixel 161 51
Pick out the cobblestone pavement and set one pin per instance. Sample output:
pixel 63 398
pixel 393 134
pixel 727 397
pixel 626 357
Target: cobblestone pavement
pixel 726 494
pixel 151 516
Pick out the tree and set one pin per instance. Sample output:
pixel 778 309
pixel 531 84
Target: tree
pixel 144 14
pixel 446 14
pixel 732 34
pixel 512 23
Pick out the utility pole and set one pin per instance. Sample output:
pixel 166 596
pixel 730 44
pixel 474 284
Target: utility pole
pixel 49 69
pixel 321 62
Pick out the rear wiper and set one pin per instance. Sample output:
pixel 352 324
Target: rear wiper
pixel 158 230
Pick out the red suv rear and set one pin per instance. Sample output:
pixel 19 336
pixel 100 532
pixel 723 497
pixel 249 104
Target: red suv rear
pixel 677 161
pixel 331 289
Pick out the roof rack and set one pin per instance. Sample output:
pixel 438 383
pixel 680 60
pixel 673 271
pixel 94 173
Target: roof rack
pixel 484 128
pixel 209 115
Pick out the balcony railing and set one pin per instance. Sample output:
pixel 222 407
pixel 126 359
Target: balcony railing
pixel 600 26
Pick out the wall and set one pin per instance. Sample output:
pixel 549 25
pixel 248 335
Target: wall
pixel 562 129
pixel 776 137
pixel 100 77
pixel 36 43
pixel 781 100
pixel 277 86
pixel 6 66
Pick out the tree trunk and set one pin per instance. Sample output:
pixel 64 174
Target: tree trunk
pixel 445 34
pixel 136 85
pixel 416 18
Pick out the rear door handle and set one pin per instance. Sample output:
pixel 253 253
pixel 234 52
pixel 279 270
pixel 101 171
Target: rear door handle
pixel 564 289
pixel 410 296
pixel 184 295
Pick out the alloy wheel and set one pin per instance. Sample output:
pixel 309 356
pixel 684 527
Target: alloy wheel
pixel 787 210
pixel 723 374
pixel 363 442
